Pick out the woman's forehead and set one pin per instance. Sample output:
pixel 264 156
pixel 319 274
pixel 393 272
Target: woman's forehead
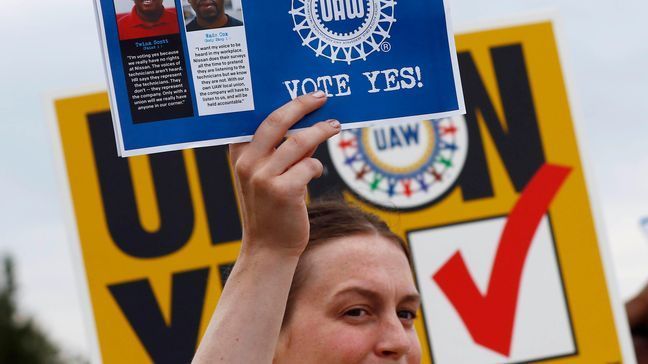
pixel 369 258
pixel 372 245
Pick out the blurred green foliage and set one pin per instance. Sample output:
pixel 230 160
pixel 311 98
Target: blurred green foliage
pixel 21 340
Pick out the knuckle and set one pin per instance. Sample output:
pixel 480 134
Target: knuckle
pixel 315 166
pixel 300 102
pixel 236 151
pixel 276 118
pixel 259 183
pixel 243 169
pixel 278 189
pixel 297 142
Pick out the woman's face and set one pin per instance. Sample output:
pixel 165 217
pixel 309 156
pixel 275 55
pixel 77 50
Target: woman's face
pixel 357 305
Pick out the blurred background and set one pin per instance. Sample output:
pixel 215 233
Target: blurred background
pixel 51 48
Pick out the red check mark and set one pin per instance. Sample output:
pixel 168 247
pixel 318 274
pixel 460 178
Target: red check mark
pixel 489 318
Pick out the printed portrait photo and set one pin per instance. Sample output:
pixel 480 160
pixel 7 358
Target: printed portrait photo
pixel 212 14
pixel 145 18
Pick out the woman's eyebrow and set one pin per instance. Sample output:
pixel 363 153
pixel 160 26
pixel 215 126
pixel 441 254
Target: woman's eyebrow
pixel 375 296
pixel 412 298
pixel 367 293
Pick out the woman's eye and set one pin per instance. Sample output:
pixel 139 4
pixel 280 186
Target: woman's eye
pixel 356 312
pixel 407 315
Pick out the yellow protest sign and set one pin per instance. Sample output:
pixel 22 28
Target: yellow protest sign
pixel 155 233
pixel 494 205
pixel 496 210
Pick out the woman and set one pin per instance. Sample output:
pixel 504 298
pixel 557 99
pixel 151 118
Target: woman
pixel 347 296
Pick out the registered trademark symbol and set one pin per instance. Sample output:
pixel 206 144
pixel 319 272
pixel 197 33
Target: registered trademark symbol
pixel 385 47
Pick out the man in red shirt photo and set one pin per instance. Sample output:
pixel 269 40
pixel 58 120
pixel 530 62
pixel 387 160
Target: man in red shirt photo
pixel 148 18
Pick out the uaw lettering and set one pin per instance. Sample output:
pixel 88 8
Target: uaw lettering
pixel 342 10
pixel 343 30
pixel 402 166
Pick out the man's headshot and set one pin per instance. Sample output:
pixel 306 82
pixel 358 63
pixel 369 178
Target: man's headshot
pixel 210 14
pixel 147 18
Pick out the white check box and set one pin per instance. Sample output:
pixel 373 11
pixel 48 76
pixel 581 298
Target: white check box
pixel 542 327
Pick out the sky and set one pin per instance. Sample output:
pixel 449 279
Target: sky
pixel 57 52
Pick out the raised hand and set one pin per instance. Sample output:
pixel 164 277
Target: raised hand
pixel 272 178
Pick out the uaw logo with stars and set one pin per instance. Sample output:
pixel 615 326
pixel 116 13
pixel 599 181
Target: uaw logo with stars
pixel 404 166
pixel 344 30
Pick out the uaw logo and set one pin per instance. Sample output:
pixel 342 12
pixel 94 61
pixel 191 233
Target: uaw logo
pixel 344 30
pixel 404 166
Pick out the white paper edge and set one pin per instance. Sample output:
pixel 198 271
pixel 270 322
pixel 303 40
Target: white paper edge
pixel 72 235
pixel 108 70
pixel 247 138
pixel 618 307
pixel 454 57
pixel 552 15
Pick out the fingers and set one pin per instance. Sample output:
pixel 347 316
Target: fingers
pixel 302 173
pixel 275 126
pixel 300 146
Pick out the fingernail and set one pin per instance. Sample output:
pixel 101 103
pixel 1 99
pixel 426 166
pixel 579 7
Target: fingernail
pixel 334 124
pixel 319 94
